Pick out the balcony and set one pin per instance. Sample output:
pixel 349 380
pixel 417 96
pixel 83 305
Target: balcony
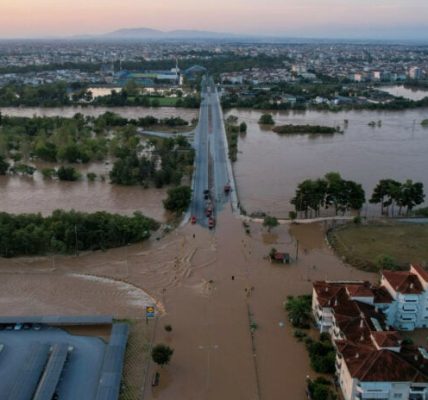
pixel 418 393
pixel 368 395
pixel 408 308
pixel 406 317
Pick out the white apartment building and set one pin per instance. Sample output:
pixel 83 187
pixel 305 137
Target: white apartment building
pixel 371 360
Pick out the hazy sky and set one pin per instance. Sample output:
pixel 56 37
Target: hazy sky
pixel 324 18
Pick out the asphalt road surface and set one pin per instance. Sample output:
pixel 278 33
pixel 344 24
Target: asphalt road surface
pixel 211 158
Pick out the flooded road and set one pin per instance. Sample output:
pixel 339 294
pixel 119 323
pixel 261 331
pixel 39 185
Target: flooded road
pixel 209 288
pixel 270 166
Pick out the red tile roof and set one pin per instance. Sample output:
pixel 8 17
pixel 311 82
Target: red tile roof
pixel 387 339
pixel 327 292
pixel 421 271
pixel 363 290
pixel 403 282
pixel 355 321
pixel 370 365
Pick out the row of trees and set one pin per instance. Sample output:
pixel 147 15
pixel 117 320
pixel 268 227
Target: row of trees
pixel 391 195
pixel 233 130
pixel 57 95
pixel 344 195
pixel 330 191
pixel 70 231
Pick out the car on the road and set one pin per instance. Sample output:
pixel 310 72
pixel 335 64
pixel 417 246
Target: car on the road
pixel 193 220
pixel 208 209
pixel 226 188
pixel 206 194
pixel 211 222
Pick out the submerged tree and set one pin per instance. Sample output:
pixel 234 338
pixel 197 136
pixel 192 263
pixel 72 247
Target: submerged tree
pixel 161 354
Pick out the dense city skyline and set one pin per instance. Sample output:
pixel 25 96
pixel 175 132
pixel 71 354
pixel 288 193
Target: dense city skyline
pixel 380 19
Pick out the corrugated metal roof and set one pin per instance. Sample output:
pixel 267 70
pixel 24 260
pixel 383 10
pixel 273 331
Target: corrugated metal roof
pixel 53 371
pixel 26 382
pixel 111 372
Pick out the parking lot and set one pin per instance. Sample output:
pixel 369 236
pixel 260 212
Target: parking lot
pixel 39 360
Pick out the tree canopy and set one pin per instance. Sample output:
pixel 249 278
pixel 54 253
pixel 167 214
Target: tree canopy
pixel 68 231
pixel 390 193
pixel 332 190
pixel 266 119
pixel 161 354
pixel 178 199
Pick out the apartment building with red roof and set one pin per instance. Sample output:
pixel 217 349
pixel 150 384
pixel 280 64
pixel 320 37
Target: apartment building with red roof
pixel 371 361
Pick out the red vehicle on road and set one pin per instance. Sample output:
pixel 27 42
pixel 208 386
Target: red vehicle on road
pixel 193 220
pixel 211 223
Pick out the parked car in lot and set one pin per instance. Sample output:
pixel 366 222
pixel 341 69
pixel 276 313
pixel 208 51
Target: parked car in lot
pixel 18 327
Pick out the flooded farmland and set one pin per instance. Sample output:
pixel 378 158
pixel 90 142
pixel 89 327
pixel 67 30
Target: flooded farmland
pixel 35 194
pixel 270 166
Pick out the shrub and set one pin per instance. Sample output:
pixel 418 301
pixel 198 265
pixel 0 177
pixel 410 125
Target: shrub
pixel 385 261
pixel 320 389
pixel 322 355
pixel 91 176
pixel 178 199
pixel 299 311
pixel 68 174
pixel 266 119
pixel 161 354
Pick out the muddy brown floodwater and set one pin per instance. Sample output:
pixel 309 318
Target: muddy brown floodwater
pixel 208 288
pixel 126 112
pixel 35 194
pixel 270 166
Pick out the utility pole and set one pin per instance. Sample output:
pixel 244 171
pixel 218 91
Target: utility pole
pixel 297 249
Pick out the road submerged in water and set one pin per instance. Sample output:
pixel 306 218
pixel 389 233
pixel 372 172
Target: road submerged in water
pixel 208 286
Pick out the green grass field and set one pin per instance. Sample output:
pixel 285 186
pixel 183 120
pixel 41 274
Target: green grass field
pixel 363 245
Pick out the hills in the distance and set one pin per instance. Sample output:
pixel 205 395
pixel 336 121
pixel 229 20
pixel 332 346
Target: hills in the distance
pixel 147 33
